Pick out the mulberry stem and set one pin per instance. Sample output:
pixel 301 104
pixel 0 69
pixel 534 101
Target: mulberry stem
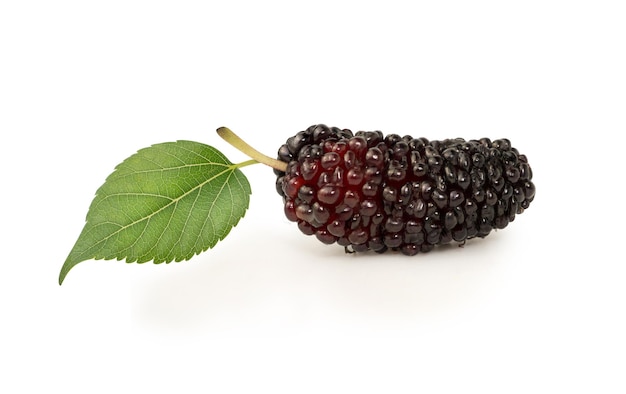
pixel 243 146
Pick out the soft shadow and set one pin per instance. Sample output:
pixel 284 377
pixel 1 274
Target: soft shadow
pixel 301 285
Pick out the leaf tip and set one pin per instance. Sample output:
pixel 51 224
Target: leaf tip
pixel 67 266
pixel 63 274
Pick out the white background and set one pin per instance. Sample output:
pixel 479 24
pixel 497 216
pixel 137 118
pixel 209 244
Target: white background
pixel 537 307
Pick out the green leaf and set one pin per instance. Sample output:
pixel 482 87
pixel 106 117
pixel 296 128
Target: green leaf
pixel 165 203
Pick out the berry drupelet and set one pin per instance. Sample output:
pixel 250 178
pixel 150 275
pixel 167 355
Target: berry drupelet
pixel 366 191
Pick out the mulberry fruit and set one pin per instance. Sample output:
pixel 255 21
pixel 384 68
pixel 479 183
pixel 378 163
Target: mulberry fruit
pixel 366 191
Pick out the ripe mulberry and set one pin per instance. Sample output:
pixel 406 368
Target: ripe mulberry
pixel 366 191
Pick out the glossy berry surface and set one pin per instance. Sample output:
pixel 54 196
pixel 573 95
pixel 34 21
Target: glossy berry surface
pixel 367 191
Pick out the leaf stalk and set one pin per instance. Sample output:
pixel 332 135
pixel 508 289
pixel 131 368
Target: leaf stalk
pixel 234 140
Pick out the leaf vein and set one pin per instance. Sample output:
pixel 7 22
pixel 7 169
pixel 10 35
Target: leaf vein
pixel 173 201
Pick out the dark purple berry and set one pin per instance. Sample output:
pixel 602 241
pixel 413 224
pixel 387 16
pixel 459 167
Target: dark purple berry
pixel 365 191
